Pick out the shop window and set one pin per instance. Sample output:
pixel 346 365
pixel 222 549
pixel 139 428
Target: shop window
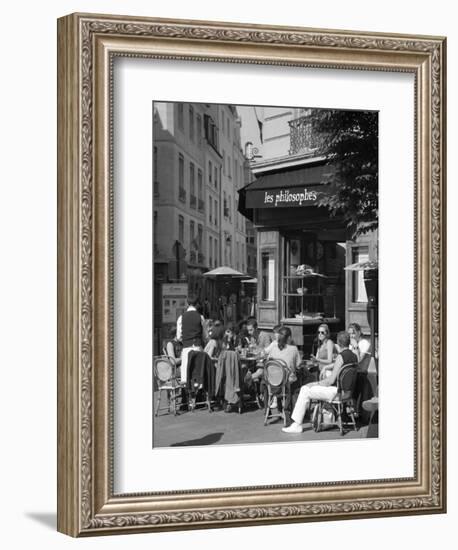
pixel 268 276
pixel 358 289
pixel 308 293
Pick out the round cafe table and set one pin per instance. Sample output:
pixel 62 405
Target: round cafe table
pixel 308 370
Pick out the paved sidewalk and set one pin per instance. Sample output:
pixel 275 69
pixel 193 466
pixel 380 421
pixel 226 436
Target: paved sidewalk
pixel 203 428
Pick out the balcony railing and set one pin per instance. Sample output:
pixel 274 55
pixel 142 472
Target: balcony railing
pixel 302 136
pixel 192 257
pixel 182 194
pixel 200 258
pixel 193 201
pixel 201 206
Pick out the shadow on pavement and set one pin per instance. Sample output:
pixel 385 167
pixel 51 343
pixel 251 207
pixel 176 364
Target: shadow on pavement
pixel 206 440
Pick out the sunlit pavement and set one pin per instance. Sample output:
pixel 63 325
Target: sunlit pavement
pixel 203 428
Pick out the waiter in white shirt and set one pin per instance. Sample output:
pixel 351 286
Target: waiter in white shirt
pixel 191 332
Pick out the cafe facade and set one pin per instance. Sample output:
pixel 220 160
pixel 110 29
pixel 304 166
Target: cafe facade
pixel 303 251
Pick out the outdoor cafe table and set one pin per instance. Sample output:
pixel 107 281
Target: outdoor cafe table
pixel 308 371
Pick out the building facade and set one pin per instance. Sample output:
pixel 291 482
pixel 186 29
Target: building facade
pixel 293 231
pixel 198 167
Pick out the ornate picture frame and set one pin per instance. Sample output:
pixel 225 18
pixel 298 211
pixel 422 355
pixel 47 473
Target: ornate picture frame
pixel 87 45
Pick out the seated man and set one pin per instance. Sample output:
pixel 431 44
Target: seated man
pixel 360 346
pixel 325 389
pixel 283 350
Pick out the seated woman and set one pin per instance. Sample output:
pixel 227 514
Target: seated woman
pixel 257 374
pixel 173 348
pixel 288 353
pixel 324 357
pixel 325 389
pixel 242 335
pixel 215 343
pixel 208 326
pixel 230 338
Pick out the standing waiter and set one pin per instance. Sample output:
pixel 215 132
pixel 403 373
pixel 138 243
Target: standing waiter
pixel 191 332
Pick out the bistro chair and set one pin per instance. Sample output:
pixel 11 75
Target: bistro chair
pixel 342 403
pixel 200 385
pixel 251 389
pixel 275 378
pixel 164 370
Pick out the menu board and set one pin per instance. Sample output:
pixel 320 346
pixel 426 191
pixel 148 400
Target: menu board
pixel 174 298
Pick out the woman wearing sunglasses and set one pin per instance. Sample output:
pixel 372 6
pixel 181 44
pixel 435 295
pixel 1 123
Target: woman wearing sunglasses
pixel 324 357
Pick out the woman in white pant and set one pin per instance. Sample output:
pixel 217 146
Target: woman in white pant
pixel 325 389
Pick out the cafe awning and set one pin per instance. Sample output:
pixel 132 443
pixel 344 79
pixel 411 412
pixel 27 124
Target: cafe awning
pixel 297 187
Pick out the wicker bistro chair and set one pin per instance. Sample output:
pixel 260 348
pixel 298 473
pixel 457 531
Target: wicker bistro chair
pixel 200 384
pixel 251 389
pixel 164 370
pixel 342 402
pixel 276 374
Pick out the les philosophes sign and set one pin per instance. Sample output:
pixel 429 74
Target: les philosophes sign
pixel 277 198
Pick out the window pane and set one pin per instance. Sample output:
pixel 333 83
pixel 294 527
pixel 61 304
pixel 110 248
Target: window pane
pixel 268 276
pixel 191 123
pixel 181 171
pixel 360 254
pixel 181 229
pixel 180 115
pixel 199 129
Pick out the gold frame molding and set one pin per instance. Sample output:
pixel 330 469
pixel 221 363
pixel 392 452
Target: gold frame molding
pixel 87 45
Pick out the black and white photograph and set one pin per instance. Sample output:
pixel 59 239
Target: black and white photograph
pixel 265 274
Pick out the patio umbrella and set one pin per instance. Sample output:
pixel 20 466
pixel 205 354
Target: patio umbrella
pixel 225 271
pixel 225 276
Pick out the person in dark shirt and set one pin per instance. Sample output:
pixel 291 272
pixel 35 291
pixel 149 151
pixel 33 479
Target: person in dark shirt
pixel 230 338
pixel 325 389
pixel 191 332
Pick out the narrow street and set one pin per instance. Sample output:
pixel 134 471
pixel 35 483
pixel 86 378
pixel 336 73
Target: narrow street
pixel 203 428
